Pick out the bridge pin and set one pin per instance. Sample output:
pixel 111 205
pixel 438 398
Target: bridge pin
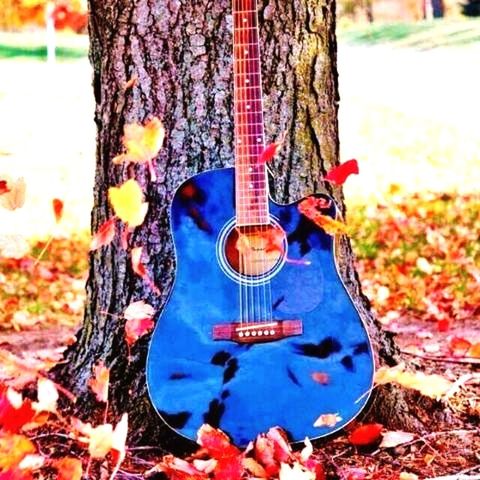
pixel 247 334
pixel 254 334
pixel 272 332
pixel 260 333
pixel 266 332
pixel 240 334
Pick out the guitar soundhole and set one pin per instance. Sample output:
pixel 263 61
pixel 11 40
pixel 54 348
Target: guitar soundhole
pixel 254 251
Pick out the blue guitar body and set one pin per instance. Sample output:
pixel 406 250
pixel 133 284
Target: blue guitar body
pixel 246 388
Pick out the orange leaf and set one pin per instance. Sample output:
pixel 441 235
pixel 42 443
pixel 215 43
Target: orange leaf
pixel 311 208
pixel 339 174
pixel 68 468
pixel 15 197
pixel 13 448
pixel 127 202
pixel 104 235
pixel 119 438
pixel 366 434
pixel 321 377
pixel 215 442
pixel 57 205
pixel 142 142
pixel 474 351
pixel 100 382
pixel 459 346
pixel 327 420
pixel 100 441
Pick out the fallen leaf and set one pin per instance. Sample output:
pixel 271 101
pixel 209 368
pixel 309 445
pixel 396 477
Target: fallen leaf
pixel 15 474
pixel 140 269
pixel 295 472
pixel 57 205
pixel 119 438
pixel 104 235
pixel 252 466
pixel 15 197
pixel 365 434
pixel 100 440
pixel 327 420
pixel 215 442
pixel 99 383
pixel 13 448
pixel 127 202
pixel 338 175
pixel 474 351
pixel 394 438
pixel 407 476
pixel 459 346
pixel 47 395
pixel 32 461
pixel 68 468
pixel 13 246
pixel 15 412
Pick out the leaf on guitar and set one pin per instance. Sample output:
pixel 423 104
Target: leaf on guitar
pixel 104 235
pixel 321 378
pixel 271 150
pixel 367 434
pixel 57 205
pixel 310 209
pixel 15 197
pixel 127 202
pixel 142 143
pixel 99 383
pixel 327 420
pixel 338 175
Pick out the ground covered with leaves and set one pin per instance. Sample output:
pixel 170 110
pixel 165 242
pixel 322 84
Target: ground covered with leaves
pixel 419 260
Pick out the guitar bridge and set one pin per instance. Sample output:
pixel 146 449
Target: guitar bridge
pixel 257 332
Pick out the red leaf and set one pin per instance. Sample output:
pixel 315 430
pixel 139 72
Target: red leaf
pixel 265 454
pixel 321 377
pixel 271 150
pixel 140 269
pixel 16 474
pixel 215 442
pixel 366 434
pixel 443 325
pixel 229 468
pixel 459 346
pixel 99 383
pixel 338 175
pixel 136 328
pixel 3 187
pixel 104 235
pixel 57 209
pixel 281 447
pixel 14 417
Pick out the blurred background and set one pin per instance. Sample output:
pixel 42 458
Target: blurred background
pixel 410 101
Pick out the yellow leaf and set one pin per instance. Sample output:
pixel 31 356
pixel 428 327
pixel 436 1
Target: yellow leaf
pixel 100 382
pixel 327 420
pixel 142 142
pixel 69 468
pixel 101 439
pixel 433 386
pixel 13 448
pixel 127 202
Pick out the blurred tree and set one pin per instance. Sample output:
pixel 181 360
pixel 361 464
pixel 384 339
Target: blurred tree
pixel 67 14
pixel 174 60
pixel 471 8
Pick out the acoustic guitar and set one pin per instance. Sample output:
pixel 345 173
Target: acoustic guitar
pixel 259 329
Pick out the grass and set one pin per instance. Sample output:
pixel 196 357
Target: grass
pixel 31 46
pixel 422 34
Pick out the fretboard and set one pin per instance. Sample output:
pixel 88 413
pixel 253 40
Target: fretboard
pixel 251 185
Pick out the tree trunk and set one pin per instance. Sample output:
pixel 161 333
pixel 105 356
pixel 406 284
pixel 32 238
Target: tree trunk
pixel 180 52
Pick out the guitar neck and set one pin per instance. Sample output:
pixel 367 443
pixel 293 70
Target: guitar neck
pixel 251 184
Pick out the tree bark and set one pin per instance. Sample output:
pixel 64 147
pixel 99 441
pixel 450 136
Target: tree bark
pixel 180 52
